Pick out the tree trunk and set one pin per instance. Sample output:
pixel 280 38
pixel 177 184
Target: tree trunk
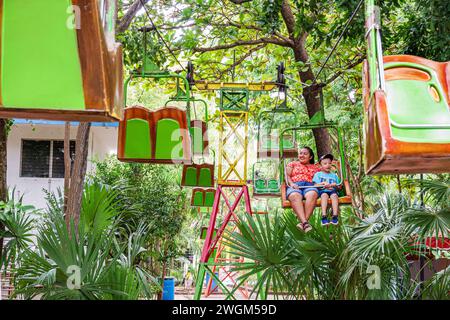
pixel 312 98
pixel 78 174
pixel 311 92
pixel 128 17
pixel 3 166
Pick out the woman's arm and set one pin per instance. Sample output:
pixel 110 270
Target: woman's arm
pixel 288 175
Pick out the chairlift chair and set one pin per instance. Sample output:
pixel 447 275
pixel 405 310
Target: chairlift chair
pixel 58 63
pixel 345 196
pixel 407 109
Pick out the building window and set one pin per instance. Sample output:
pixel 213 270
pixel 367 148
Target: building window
pixel 44 158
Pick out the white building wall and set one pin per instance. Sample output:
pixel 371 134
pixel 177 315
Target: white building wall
pixel 102 142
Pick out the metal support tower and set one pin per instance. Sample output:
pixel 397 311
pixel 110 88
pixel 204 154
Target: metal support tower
pixel 232 195
pixel 231 190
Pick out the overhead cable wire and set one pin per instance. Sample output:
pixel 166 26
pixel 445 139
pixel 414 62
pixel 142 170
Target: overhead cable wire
pixel 347 24
pixel 160 36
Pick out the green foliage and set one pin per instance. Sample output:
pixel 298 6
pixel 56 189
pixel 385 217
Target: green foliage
pixel 334 263
pixel 88 264
pixel 149 198
pixel 271 18
pixel 99 207
pixel 18 226
pixel 426 29
pixel 145 193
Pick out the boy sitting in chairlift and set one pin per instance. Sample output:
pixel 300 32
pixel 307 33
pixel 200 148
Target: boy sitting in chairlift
pixel 329 183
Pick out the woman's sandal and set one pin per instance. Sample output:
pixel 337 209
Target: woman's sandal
pixel 306 227
pixel 300 227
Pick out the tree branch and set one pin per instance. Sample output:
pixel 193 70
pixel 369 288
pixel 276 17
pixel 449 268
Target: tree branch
pixel 126 20
pixel 288 18
pixel 163 27
pixel 252 27
pixel 242 58
pixel 244 43
pixel 340 72
pixel 240 1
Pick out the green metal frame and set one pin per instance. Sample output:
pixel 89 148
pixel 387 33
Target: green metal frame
pixel 280 109
pixel 279 179
pixel 374 48
pixel 149 70
pixel 192 100
pixel 234 99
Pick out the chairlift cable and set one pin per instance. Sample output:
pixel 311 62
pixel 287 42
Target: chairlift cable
pixel 347 24
pixel 295 80
pixel 160 36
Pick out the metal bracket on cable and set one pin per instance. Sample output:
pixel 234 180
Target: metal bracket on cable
pixel 190 74
pixel 281 79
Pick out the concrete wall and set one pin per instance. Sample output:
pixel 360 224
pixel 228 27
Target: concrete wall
pixel 102 142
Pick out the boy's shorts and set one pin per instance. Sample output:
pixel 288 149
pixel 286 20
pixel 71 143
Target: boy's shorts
pixel 302 191
pixel 327 191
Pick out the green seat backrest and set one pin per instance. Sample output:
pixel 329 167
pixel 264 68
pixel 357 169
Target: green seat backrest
pixel 137 139
pixel 260 185
pixel 197 140
pixel 204 210
pixel 214 252
pixel 273 185
pixel 209 198
pixel 204 232
pixel 410 103
pixel 204 178
pixel 198 198
pixel 40 64
pixel 288 143
pixel 191 177
pixel 260 206
pixel 168 140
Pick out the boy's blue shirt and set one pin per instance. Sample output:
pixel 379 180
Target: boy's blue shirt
pixel 329 178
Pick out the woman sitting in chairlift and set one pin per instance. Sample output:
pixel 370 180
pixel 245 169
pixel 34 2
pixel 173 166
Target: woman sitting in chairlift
pixel 299 176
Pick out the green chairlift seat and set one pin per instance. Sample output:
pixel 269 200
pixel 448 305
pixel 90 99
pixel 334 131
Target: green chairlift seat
pixel 50 69
pixel 345 195
pixel 154 136
pixel 204 231
pixel 266 183
pixel 407 108
pixel 203 197
pixel 417 105
pixel 168 148
pixel 198 128
pixel 198 175
pixel 138 148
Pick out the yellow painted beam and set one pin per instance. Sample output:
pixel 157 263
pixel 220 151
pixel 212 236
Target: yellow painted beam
pixel 257 86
